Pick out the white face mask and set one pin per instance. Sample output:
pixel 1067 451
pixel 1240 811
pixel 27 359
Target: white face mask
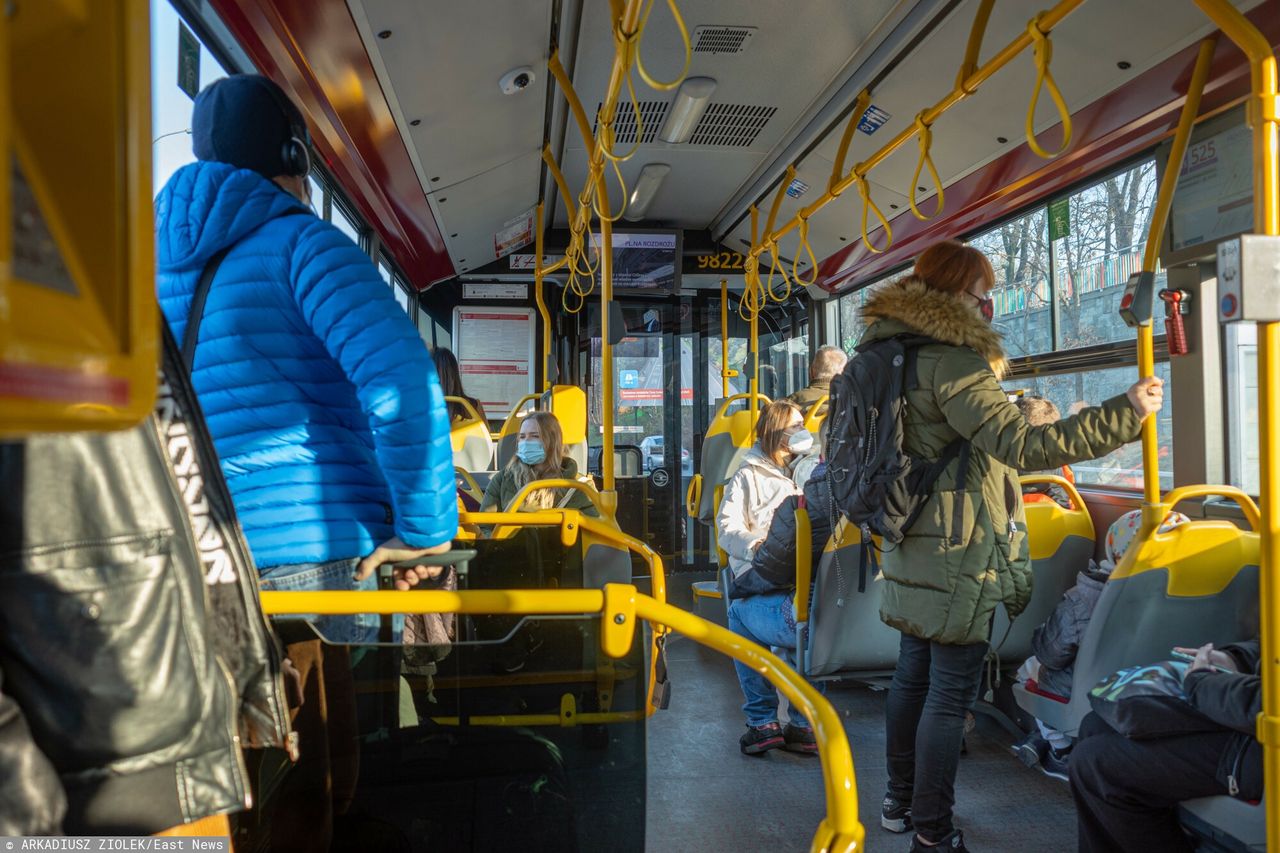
pixel 800 442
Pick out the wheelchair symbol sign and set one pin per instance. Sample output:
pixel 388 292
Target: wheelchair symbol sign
pixel 660 477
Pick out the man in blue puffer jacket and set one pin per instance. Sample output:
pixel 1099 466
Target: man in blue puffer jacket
pixel 322 400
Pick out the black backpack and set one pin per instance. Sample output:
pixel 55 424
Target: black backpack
pixel 874 482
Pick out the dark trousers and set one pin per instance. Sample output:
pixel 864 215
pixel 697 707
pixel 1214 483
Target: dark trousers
pixel 1127 791
pixel 934 686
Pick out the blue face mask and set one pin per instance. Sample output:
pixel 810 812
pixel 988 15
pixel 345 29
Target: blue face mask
pixel 531 452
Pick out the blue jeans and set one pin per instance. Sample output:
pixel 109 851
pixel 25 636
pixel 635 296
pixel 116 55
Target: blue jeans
pixel 359 629
pixel 768 620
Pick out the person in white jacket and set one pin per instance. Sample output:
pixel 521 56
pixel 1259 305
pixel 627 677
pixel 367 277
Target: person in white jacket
pixel 761 482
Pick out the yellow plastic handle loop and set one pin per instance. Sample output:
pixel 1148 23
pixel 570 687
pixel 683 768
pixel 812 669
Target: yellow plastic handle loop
pixel 622 186
pixel 776 266
pixel 777 202
pixel 750 301
pixel 684 37
pixel 868 204
pixel 1042 52
pixel 925 135
pixel 805 246
pixel 607 149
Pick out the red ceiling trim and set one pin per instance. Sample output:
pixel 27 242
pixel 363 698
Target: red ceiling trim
pixel 313 49
pixel 1109 131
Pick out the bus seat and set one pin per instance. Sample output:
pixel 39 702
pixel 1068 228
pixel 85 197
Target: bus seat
pixel 469 436
pixel 603 562
pixel 729 437
pixel 569 404
pixel 1194 584
pixel 1060 541
pixel 816 414
pixel 849 637
pixel 508 434
pixel 1228 823
pixel 709 601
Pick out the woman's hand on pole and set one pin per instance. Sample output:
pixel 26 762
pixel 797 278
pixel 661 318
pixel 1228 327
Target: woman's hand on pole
pixel 1146 396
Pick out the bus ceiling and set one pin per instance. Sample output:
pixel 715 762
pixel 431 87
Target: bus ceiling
pixel 437 122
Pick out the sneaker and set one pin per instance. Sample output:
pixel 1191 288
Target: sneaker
pixel 760 739
pixel 799 739
pixel 953 843
pixel 1054 763
pixel 1031 749
pixel 895 815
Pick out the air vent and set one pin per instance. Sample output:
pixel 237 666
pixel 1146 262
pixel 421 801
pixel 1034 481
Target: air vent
pixel 731 125
pixel 717 39
pixel 624 121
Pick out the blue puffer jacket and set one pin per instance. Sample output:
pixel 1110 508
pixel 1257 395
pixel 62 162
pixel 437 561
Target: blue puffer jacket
pixel 323 402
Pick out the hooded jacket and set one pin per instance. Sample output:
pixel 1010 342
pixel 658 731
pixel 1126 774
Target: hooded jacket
pixel 750 500
pixel 1056 642
pixel 773 567
pixel 323 402
pixel 945 579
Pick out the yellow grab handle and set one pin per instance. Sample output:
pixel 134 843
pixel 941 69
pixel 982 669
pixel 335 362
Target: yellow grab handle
pixel 837 169
pixel 470 486
pixel 725 405
pixel 925 134
pixel 869 205
pixel 1077 502
pixel 586 488
pixel 684 38
pixel 812 419
pixel 804 563
pixel 1182 493
pixel 693 496
pixel 804 246
pixel 466 404
pixel 1042 52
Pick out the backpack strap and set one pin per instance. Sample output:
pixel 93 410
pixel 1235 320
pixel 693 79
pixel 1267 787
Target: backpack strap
pixel 196 314
pixel 192 331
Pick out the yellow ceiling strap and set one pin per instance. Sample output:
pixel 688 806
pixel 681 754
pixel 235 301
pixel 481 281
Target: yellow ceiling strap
pixel 837 169
pixel 925 135
pixel 1042 53
pixel 775 266
pixel 807 247
pixel 868 204
pixel 684 37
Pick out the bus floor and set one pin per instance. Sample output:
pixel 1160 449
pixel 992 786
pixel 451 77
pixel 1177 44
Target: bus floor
pixel 705 795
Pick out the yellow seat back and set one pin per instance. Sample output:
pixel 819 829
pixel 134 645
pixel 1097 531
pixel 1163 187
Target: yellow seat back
pixel 469 437
pixel 729 436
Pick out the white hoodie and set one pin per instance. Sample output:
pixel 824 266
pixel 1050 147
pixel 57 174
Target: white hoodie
pixel 750 500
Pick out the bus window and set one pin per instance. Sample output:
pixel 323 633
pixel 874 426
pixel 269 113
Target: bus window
pixel 1018 251
pixel 1242 405
pixel 1071 392
pixel 1106 237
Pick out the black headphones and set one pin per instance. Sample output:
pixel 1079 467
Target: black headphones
pixel 295 156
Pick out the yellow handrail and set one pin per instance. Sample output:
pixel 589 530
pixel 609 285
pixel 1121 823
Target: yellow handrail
pixel 554 483
pixel 804 564
pixel 814 416
pixel 725 372
pixel 621 607
pixel 974 47
pixel 1046 22
pixel 466 404
pixel 859 107
pixel 1154 511
pixel 1077 502
pixel 539 297
pixel 1264 118
pixel 1237 496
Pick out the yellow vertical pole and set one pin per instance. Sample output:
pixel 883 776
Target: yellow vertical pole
pixel 609 496
pixel 1264 118
pixel 752 295
pixel 540 298
pixel 724 338
pixel 1153 510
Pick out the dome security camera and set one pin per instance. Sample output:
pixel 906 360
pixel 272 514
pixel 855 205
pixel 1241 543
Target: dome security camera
pixel 517 80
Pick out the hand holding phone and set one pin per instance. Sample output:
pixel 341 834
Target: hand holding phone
pixel 1205 657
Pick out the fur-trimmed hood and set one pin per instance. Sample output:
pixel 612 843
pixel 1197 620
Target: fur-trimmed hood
pixel 910 304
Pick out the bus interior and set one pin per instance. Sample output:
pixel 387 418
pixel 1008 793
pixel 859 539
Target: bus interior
pixel 647 218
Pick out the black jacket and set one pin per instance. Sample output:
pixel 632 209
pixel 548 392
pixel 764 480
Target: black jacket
pixel 134 657
pixel 1056 642
pixel 1234 700
pixel 773 568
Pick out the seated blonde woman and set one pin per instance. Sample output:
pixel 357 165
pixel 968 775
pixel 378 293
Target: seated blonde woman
pixel 539 456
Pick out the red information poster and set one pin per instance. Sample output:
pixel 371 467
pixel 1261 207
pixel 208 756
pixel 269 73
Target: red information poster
pixel 495 350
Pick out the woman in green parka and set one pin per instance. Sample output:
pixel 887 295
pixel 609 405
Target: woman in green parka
pixel 942 584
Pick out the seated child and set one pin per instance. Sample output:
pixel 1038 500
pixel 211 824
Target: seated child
pixel 1040 411
pixel 1055 643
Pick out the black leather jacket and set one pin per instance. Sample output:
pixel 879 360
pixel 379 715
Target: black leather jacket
pixel 122 703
